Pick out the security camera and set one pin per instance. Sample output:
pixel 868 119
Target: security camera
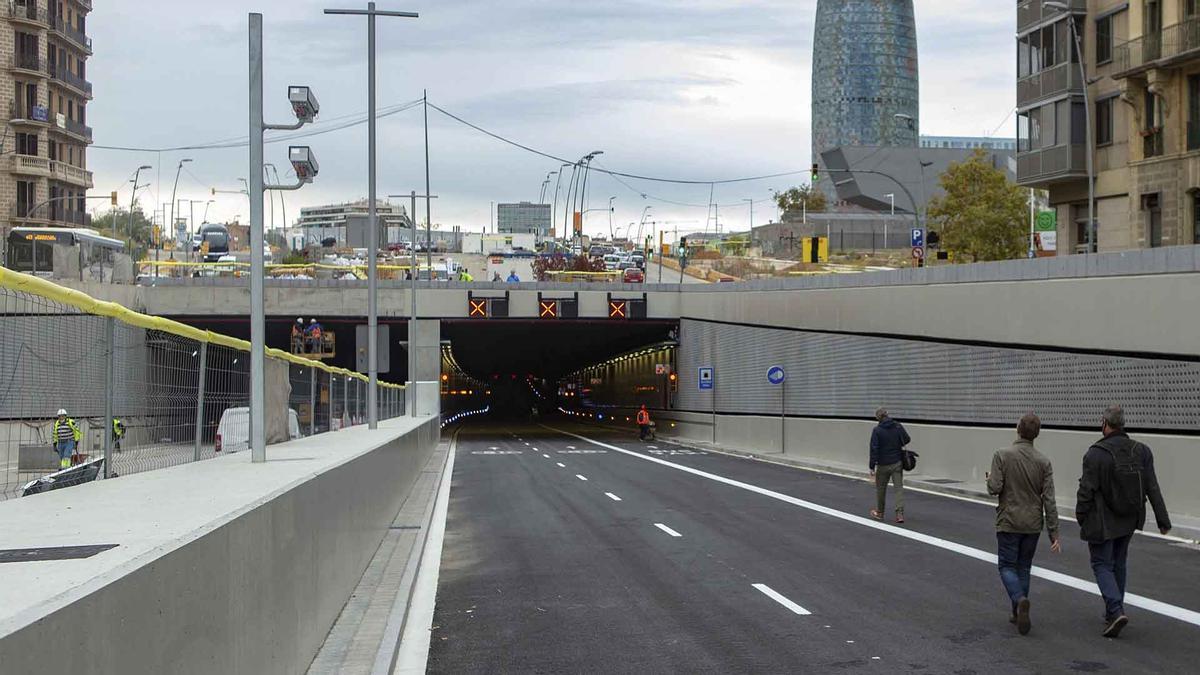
pixel 304 103
pixel 303 162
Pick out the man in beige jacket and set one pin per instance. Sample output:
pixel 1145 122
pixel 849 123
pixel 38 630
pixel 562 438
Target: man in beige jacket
pixel 1024 480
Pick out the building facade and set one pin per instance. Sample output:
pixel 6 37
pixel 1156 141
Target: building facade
pixel 523 218
pixel 864 75
pixel 968 143
pixel 44 50
pixel 335 215
pixel 1142 63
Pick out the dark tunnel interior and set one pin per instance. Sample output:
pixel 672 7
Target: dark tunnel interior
pixel 513 359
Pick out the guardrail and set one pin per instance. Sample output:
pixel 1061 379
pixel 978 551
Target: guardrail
pixel 143 392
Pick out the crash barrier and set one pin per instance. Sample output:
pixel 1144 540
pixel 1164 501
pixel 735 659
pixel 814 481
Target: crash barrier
pixel 222 566
pixel 143 392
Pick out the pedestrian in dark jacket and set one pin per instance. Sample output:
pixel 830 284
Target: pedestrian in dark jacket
pixel 1023 479
pixel 1118 477
pixel 888 439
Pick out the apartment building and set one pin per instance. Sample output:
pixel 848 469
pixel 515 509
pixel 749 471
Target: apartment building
pixel 43 66
pixel 1142 63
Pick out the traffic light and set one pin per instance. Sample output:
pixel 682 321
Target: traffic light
pixel 674 381
pixel 816 173
pixel 114 197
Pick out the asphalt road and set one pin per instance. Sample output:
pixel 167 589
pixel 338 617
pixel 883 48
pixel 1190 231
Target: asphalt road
pixel 774 569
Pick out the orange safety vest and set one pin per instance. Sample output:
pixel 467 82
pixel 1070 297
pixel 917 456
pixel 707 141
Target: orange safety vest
pixel 643 417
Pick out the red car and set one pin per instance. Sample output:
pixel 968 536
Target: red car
pixel 633 275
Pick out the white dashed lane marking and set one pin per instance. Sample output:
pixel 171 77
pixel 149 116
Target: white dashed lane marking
pixel 668 530
pixel 772 594
pixel 612 496
pixel 580 477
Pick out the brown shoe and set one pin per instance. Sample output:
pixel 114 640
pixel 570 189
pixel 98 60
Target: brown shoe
pixel 900 518
pixel 1023 623
pixel 876 515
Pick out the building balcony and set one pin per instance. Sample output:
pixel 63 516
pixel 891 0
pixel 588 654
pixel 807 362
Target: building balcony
pixel 28 13
pixel 29 165
pixel 86 4
pixel 1032 12
pixel 1060 79
pixel 1176 44
pixel 66 217
pixel 20 112
pixel 60 27
pixel 74 129
pixel 1042 167
pixel 32 64
pixel 24 213
pixel 70 174
pixel 60 73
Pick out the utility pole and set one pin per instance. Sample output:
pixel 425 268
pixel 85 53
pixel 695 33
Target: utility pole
pixel 410 394
pixel 305 107
pixel 372 217
pixel 428 200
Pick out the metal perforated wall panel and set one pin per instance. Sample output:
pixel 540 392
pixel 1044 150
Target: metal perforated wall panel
pixel 849 376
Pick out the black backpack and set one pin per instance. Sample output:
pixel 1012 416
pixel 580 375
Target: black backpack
pixel 1125 494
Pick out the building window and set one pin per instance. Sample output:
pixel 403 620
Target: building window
pixel 27 144
pixel 1104 121
pixel 1104 39
pixel 1152 137
pixel 1196 216
pixel 1150 204
pixel 1193 112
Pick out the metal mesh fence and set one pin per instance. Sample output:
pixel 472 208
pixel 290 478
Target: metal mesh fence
pixel 141 393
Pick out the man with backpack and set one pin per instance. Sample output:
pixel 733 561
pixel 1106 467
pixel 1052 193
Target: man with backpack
pixel 886 463
pixel 1118 477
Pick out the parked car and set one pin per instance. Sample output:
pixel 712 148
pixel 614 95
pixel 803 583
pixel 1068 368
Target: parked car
pixel 233 431
pixel 633 275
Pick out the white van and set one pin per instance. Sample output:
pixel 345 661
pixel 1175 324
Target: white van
pixel 233 431
pixel 611 260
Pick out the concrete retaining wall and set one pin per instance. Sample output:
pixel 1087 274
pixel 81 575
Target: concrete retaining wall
pixel 223 566
pixel 962 454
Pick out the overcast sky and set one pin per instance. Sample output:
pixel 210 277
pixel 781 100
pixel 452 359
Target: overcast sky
pixel 691 89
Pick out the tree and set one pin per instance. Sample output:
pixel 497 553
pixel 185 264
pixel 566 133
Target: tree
pixel 797 200
pixel 115 224
pixel 982 216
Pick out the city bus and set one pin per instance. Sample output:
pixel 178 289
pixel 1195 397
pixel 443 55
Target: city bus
pixel 62 252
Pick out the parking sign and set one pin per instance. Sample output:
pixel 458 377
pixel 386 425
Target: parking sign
pixel 918 237
pixel 705 380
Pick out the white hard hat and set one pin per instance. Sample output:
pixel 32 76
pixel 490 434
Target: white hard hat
pixel 298 320
pixel 312 320
pixel 62 411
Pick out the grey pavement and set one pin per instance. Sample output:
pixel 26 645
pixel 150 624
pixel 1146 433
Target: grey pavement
pixel 775 569
pixel 669 276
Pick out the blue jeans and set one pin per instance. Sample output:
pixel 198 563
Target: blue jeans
pixel 64 449
pixel 1015 558
pixel 1108 564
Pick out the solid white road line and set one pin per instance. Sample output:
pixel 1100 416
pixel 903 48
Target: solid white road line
pixel 1087 586
pixel 413 654
pixel 770 593
pixel 561 465
pixel 580 477
pixel 668 530
pixel 612 496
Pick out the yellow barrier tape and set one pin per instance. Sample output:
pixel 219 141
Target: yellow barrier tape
pixel 26 283
pixel 281 266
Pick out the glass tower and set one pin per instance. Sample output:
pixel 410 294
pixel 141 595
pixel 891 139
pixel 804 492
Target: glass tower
pixel 864 73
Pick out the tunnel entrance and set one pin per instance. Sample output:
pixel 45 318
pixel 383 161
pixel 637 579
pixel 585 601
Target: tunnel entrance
pixel 517 365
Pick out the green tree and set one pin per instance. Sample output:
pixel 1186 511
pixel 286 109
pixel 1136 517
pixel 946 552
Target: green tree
pixel 983 215
pixel 115 223
pixel 794 201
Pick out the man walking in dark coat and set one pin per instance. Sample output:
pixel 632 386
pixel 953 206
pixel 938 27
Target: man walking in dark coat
pixel 1118 477
pixel 888 439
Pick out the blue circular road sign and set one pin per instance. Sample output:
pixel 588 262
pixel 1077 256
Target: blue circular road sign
pixel 775 375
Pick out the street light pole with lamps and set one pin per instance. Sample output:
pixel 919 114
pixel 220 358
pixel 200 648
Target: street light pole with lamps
pixel 133 202
pixel 1087 108
pixel 170 225
pixel 372 217
pixel 912 125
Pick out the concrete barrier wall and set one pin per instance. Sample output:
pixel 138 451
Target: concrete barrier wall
pixel 957 453
pixel 254 590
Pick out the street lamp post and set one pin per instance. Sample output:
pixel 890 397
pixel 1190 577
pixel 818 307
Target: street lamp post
pixel 610 215
pixel 751 202
pixel 557 183
pixel 1087 108
pixel 891 198
pixel 133 202
pixel 410 396
pixel 372 221
pixel 168 226
pixel 912 125
pixel 587 168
